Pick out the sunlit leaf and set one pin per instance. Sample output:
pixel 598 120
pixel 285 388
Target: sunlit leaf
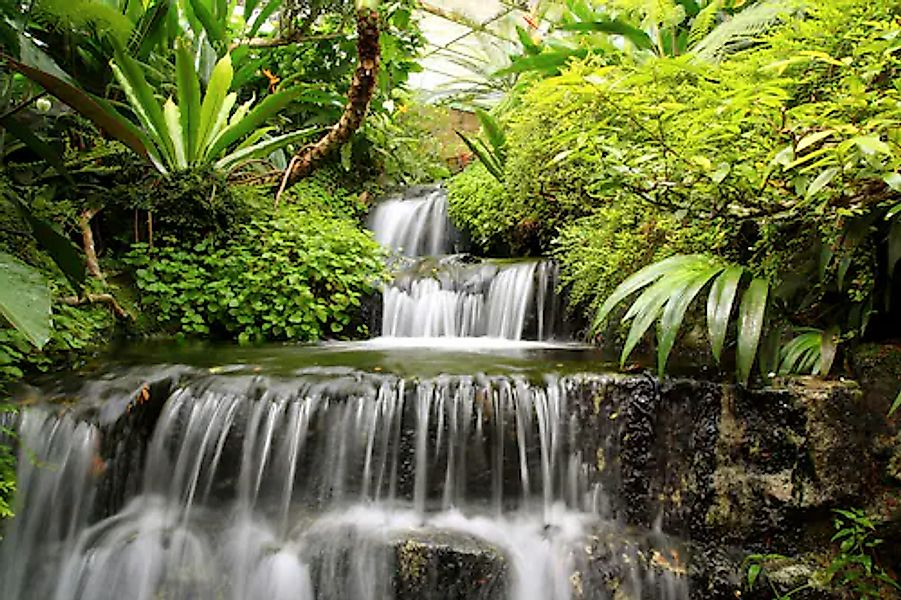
pixel 719 307
pixel 25 299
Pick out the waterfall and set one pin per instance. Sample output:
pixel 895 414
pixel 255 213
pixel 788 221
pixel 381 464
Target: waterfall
pixel 435 294
pixel 416 226
pixel 308 488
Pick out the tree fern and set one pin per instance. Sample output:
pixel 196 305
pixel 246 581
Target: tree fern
pixel 742 29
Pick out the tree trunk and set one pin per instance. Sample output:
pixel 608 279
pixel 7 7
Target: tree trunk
pixel 358 97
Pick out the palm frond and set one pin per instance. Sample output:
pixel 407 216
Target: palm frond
pixel 743 29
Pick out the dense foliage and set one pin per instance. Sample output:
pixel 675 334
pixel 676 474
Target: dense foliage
pixel 780 155
pixel 299 274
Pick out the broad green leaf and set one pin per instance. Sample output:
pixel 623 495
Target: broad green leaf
pixel 646 309
pixel 143 102
pixel 822 180
pixel 95 110
pixel 616 27
pixel 493 132
pixel 638 280
pixel 36 145
pixel 674 313
pixel 528 44
pixel 58 246
pixel 221 122
pixel 25 299
pixel 750 324
pixel 893 180
pixel 803 349
pixel 719 307
pixel 869 144
pixel 546 62
pixel 813 138
pixel 220 82
pixel 484 155
pixel 263 148
pixel 173 124
pixel 241 127
pixel 188 86
pixel 753 574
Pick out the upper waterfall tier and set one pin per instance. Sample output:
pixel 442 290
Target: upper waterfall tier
pixel 446 295
pixel 414 223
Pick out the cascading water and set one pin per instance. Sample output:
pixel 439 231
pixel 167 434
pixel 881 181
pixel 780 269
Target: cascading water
pixel 440 295
pixel 309 487
pixel 311 479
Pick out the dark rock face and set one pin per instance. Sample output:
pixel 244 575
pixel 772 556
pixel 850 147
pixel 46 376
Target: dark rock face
pixel 448 566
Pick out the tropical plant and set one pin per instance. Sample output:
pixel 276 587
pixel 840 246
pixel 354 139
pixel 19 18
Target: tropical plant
pixel 853 569
pixel 709 30
pixel 811 351
pixel 196 132
pixel 671 285
pixel 493 152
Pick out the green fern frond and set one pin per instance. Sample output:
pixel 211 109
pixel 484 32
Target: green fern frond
pixel 743 29
pixel 704 22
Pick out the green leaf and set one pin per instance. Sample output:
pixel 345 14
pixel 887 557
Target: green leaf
pixel 264 15
pixel 615 27
pixel 213 100
pixel 142 100
pixel 269 107
pixel 97 111
pixel 822 180
pixel 750 324
pixel 637 281
pixel 36 145
pixel 188 86
pixel 493 132
pixel 674 313
pixel 263 149
pixel 547 62
pixel 528 44
pixel 870 145
pixel 646 309
pixel 173 124
pixel 214 29
pixel 719 307
pixel 753 574
pixel 25 299
pixel 895 404
pixel 811 139
pixel 57 245
pixel 484 156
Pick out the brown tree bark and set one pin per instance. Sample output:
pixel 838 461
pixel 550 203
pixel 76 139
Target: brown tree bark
pixel 358 98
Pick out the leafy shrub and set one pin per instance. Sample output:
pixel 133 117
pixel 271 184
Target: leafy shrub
pixel 300 274
pixel 595 251
pixel 477 204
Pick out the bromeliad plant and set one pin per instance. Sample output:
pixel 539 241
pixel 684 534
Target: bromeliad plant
pixel 208 131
